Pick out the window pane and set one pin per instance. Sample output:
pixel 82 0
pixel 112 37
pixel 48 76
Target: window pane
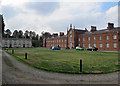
pixel 114 45
pixel 107 45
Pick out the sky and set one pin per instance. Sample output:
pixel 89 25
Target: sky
pixel 57 16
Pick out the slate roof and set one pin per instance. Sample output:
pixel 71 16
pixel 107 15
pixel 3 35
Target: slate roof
pixel 103 30
pixel 57 37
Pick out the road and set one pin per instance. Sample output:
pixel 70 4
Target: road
pixel 15 72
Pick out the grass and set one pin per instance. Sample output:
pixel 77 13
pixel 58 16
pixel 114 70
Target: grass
pixel 68 61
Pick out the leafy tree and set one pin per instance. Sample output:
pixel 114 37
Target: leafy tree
pixel 20 34
pixel 41 41
pixel 15 34
pixel 3 26
pixel 45 34
pixel 34 35
pixel 26 34
pixel 31 34
pixel 37 37
pixel 8 33
pixel 35 43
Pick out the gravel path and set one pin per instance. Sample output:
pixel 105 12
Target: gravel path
pixel 15 72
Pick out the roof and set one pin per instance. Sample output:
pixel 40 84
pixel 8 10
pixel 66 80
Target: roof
pixel 103 30
pixel 15 39
pixel 78 30
pixel 57 37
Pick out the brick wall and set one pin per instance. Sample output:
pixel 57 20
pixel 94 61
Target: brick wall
pixel 98 41
pixel 61 41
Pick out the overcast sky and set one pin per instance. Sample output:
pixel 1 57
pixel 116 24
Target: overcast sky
pixel 56 16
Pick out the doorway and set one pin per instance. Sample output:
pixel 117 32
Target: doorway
pixel 23 45
pixel 10 46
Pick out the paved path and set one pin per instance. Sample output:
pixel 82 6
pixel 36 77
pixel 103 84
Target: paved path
pixel 14 72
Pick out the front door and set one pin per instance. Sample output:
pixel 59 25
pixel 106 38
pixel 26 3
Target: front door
pixel 10 46
pixel 23 45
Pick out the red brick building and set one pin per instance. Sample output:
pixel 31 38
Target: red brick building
pixel 105 39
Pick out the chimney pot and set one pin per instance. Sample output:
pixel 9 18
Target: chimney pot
pixel 61 34
pixel 93 28
pixel 110 26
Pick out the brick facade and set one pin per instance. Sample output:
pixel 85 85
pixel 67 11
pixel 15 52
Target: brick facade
pixel 105 39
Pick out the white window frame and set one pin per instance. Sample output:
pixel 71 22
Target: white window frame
pixel 83 44
pixel 100 38
pixel 79 39
pixel 94 44
pixel 5 45
pixel 100 45
pixel 89 45
pixel 65 45
pixel 88 38
pixel 114 45
pixel 83 39
pixel 107 45
pixel 94 38
pixel 15 45
pixel 19 45
pixel 114 36
pixel 107 37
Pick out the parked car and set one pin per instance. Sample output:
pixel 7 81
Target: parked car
pixel 79 48
pixel 67 48
pixel 92 49
pixel 55 48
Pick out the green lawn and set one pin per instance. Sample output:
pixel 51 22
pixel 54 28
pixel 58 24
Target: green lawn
pixel 68 61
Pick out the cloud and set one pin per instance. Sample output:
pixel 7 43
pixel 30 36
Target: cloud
pixel 112 15
pixel 82 15
pixel 9 11
pixel 43 8
pixel 55 17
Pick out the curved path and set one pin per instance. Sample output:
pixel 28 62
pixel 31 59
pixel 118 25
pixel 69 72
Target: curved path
pixel 14 72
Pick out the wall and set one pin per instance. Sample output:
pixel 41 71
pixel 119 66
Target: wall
pixel 62 42
pixel 98 41
pixel 11 42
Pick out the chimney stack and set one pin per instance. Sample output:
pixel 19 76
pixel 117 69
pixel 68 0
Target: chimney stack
pixel 110 26
pixel 55 34
pixel 93 28
pixel 61 34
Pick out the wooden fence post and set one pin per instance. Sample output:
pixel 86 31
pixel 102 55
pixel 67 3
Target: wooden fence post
pixel 80 65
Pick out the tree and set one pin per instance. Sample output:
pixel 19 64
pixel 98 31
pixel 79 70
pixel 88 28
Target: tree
pixel 3 26
pixel 8 33
pixel 45 34
pixel 37 37
pixel 20 34
pixel 35 43
pixel 41 41
pixel 15 34
pixel 26 34
pixel 31 34
pixel 34 35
